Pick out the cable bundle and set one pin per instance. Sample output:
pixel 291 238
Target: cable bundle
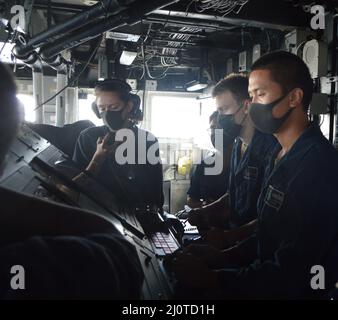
pixel 170 62
pixel 224 7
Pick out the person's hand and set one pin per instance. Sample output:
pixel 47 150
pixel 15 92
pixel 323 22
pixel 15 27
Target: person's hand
pixel 219 239
pixel 199 218
pixel 204 218
pixel 191 272
pixel 103 148
pixel 210 256
pixel 218 218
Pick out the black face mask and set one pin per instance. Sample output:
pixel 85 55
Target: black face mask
pixel 113 119
pixel 231 129
pixel 261 115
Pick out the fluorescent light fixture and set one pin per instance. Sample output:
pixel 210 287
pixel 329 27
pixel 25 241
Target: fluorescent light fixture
pixel 195 86
pixel 102 67
pixel 123 36
pixel 128 57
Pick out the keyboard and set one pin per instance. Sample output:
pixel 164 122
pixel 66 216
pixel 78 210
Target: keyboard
pixel 164 243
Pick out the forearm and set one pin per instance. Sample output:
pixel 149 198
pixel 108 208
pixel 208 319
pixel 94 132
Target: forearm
pixel 242 233
pixel 214 214
pixel 194 203
pixel 237 257
pixel 95 165
pixel 219 205
pixel 94 168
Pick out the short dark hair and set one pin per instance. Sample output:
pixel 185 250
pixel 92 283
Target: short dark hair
pixel 123 89
pixel 9 109
pixel 236 83
pixel 114 85
pixel 289 71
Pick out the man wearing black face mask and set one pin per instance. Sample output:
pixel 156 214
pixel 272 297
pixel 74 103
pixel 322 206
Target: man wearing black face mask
pixel 204 188
pixel 134 184
pixel 297 208
pixel 247 165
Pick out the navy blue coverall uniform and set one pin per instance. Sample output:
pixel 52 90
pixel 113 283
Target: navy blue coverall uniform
pixel 246 177
pixel 297 225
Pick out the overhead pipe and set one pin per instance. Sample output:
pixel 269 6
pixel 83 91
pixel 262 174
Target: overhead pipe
pixel 58 63
pixel 130 16
pixel 60 7
pixel 33 59
pixel 93 31
pixel 83 35
pixel 21 50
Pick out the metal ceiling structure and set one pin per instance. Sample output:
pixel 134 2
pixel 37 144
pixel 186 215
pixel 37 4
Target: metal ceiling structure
pixel 175 38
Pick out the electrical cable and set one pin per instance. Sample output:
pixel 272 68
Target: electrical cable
pixel 224 7
pixel 269 40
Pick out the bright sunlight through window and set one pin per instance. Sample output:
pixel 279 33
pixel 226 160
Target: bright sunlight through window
pixel 181 117
pixel 28 104
pixel 86 112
